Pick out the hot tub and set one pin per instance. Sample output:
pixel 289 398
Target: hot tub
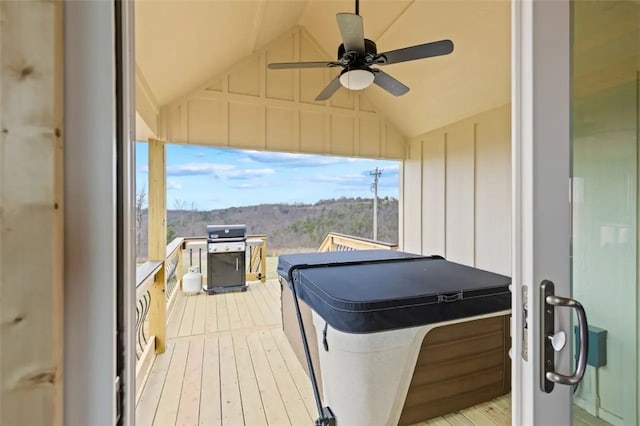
pixel 373 313
pixel 289 321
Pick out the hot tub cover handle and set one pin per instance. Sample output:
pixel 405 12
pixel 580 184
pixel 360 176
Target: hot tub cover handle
pixel 324 337
pixel 449 298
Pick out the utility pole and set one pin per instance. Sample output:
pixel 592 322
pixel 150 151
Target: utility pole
pixel 374 188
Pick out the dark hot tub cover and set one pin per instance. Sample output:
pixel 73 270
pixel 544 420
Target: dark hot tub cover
pixel 289 261
pixel 356 293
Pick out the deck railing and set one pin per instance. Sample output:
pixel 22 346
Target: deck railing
pixel 173 270
pixel 256 255
pixel 341 242
pixel 156 284
pixel 145 344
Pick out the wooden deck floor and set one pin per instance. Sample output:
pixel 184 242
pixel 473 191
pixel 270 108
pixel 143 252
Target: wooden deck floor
pixel 498 413
pixel 228 363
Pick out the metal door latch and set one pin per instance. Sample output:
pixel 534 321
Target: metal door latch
pixel 525 323
pixel 548 337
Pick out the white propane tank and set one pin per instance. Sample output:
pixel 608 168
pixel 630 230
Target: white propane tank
pixel 192 281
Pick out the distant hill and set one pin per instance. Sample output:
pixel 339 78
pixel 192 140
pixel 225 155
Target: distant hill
pixel 289 226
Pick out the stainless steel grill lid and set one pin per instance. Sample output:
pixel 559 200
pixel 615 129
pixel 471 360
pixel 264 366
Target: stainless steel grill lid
pixel 221 232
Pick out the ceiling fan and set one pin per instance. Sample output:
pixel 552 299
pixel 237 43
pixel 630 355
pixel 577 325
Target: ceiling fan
pixel 357 54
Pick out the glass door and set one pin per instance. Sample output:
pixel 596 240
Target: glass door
pixel 604 124
pixel 576 114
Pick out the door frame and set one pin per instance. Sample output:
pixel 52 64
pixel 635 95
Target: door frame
pixel 99 289
pixel 541 209
pixel 125 206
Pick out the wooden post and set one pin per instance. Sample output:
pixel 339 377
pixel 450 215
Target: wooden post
pixel 158 310
pixel 31 221
pixel 179 268
pixel 157 201
pixel 263 261
pixel 158 240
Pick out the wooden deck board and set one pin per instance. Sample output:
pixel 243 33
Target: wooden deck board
pixel 243 310
pixel 456 419
pixel 252 306
pixel 261 302
pixel 210 406
pixel 229 387
pixel 235 323
pixel 228 363
pixel 296 410
pixel 303 384
pixel 273 405
pixel 273 302
pixel 148 403
pixel 186 324
pixel 211 314
pixel 223 316
pixel 189 408
pixel 199 318
pixel 175 318
pixel 252 408
pixel 167 410
pixel 477 417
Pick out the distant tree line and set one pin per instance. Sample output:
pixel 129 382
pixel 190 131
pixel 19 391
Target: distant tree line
pixel 287 226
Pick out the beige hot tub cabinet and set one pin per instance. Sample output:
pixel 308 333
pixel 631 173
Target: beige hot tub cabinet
pixel 408 337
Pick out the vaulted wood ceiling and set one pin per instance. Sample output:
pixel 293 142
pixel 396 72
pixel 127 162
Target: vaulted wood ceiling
pixel 181 44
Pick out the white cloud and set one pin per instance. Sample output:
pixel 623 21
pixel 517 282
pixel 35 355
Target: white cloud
pixel 392 170
pixel 247 185
pixel 217 170
pixel 247 173
pixel 388 179
pixel 200 155
pixel 297 160
pixel 395 169
pixel 197 169
pixel 172 184
pixel 341 179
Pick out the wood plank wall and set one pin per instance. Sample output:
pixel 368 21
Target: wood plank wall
pixel 31 261
pixel 457 192
pixel 252 107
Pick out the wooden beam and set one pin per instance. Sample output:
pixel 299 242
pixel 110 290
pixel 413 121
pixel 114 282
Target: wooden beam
pixel 31 221
pixel 158 310
pixel 158 240
pixel 157 200
pixel 263 260
pixel 179 268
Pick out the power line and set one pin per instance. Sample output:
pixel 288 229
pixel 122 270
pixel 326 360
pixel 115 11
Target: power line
pixel 374 188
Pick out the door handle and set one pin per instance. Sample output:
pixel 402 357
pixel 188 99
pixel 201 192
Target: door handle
pixel 548 302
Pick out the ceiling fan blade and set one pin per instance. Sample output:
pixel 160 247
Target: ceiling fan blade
pixel 352 31
pixel 427 50
pixel 331 88
pixel 291 65
pixel 389 83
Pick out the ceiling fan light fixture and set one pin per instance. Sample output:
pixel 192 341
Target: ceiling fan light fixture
pixel 357 79
pixel 357 54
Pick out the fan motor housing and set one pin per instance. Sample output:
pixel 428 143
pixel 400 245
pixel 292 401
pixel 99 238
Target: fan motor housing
pixel 369 49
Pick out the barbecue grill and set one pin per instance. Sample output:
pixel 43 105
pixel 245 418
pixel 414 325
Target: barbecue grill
pixel 226 258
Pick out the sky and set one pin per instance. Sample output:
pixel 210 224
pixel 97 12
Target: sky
pixel 207 178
